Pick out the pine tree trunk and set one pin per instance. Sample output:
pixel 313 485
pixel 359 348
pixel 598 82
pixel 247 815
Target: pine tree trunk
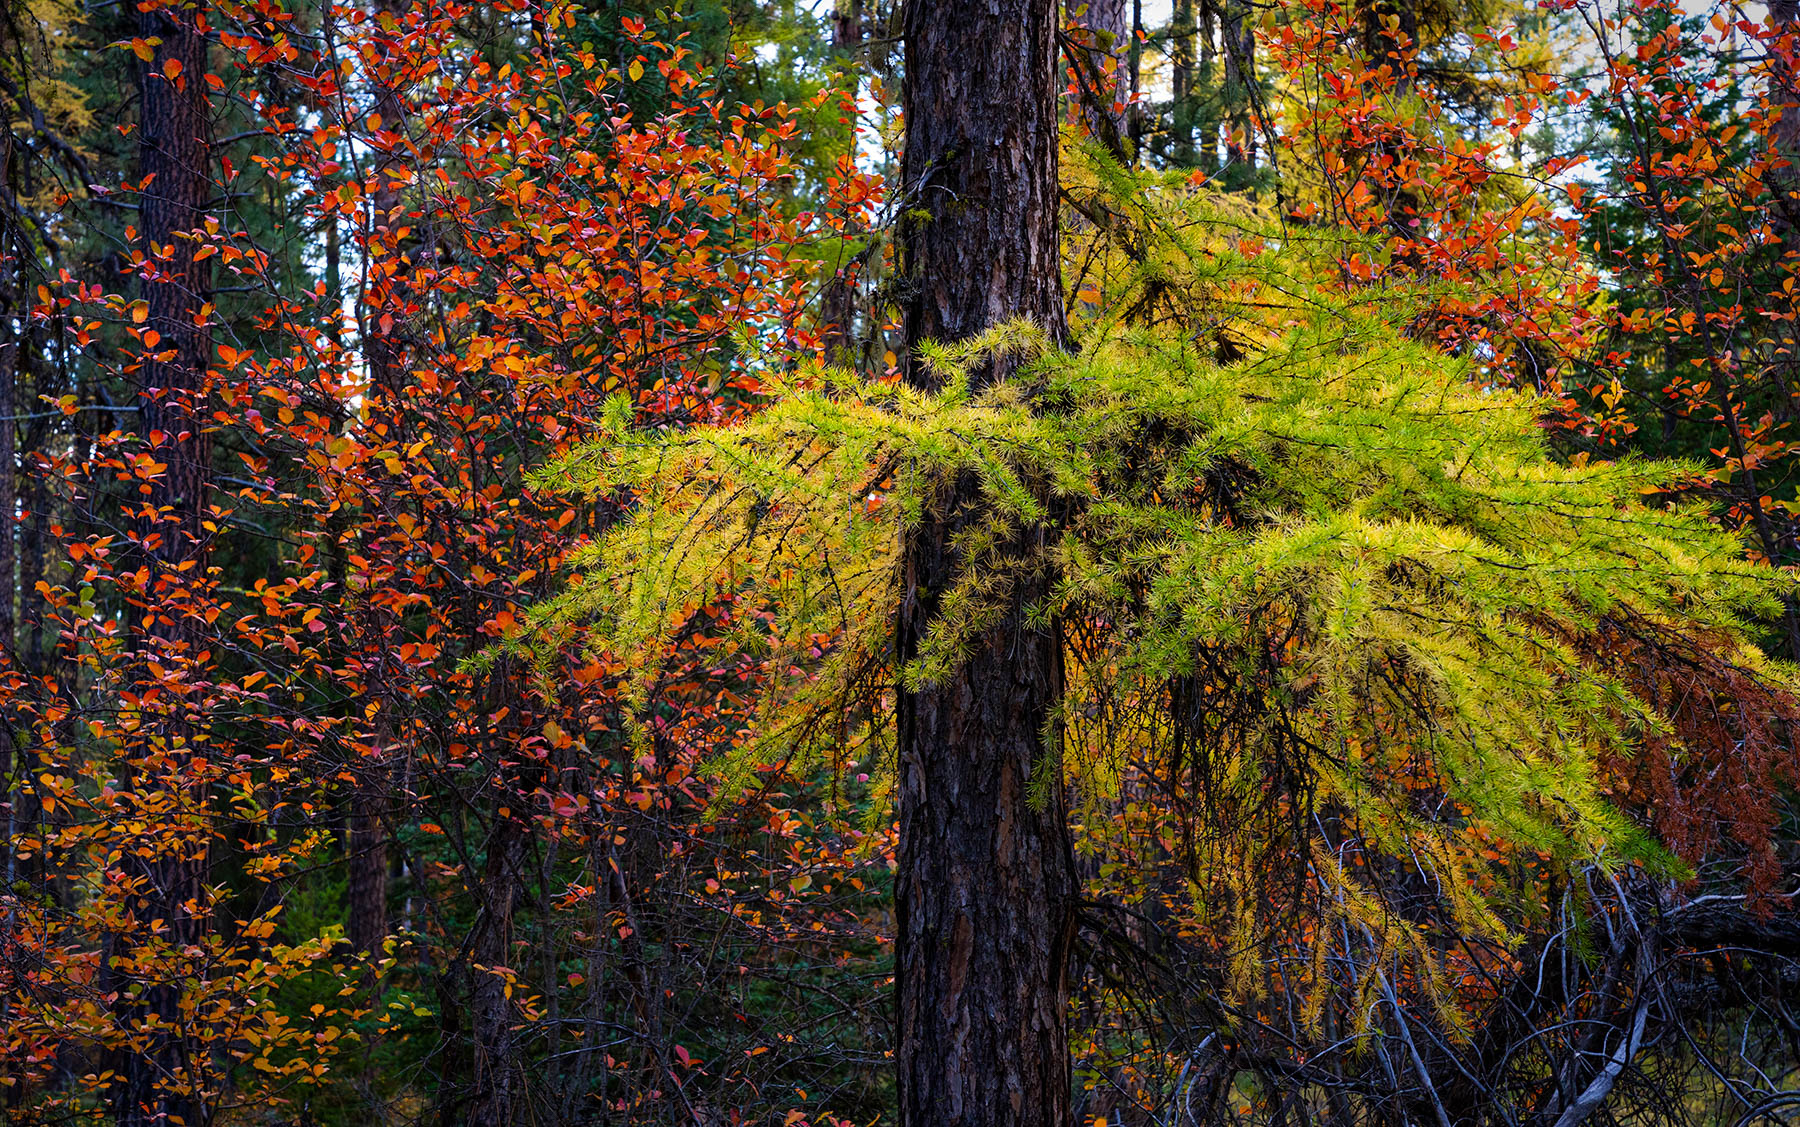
pixel 174 155
pixel 985 888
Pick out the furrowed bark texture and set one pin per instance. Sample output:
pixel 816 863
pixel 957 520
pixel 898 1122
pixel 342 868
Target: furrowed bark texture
pixel 174 157
pixel 986 881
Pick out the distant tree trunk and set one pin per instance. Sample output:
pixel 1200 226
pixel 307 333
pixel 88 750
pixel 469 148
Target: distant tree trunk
pixel 9 502
pixel 1134 67
pixel 1106 77
pixel 1181 78
pixel 1239 44
pixel 985 890
pixel 496 1092
pixel 383 328
pixel 1784 138
pixel 1209 61
pixel 174 155
pixel 837 302
pixel 847 25
pixel 12 289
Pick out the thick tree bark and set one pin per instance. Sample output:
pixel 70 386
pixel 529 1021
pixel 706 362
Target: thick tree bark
pixel 986 879
pixel 174 155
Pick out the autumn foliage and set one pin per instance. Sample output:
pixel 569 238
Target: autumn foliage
pixel 355 770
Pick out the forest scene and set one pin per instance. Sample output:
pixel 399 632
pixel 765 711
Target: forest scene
pixel 829 563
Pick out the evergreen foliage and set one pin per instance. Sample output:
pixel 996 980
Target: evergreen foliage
pixel 1342 589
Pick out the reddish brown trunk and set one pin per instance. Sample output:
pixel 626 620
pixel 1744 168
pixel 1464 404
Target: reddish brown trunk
pixel 985 887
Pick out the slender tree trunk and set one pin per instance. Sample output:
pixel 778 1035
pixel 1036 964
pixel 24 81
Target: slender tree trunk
pixel 1240 72
pixel 1106 77
pixel 496 1094
pixel 12 289
pixel 837 302
pixel 1784 182
pixel 1181 77
pixel 11 765
pixel 1209 61
pixel 383 328
pixel 174 155
pixel 1785 136
pixel 986 887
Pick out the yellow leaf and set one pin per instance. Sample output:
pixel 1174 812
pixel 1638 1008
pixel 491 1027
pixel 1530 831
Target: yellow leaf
pixel 636 70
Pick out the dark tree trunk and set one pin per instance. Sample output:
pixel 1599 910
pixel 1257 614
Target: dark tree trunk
pixel 383 330
pixel 1209 62
pixel 9 751
pixel 1106 77
pixel 1784 181
pixel 1182 80
pixel 12 290
pixel 496 1094
pixel 985 889
pixel 847 26
pixel 174 147
pixel 1785 135
pixel 1239 41
pixel 174 155
pixel 837 302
